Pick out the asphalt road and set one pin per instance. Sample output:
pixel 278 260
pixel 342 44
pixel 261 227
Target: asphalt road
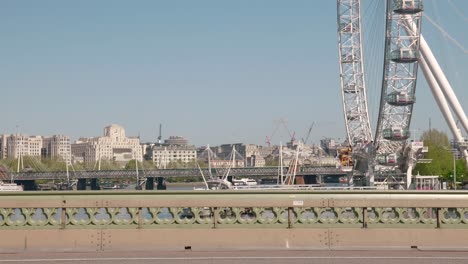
pixel 247 257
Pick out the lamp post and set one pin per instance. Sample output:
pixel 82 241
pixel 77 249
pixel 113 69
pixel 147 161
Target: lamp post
pixel 453 150
pixel 454 172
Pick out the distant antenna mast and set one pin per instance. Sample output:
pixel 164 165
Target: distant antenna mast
pixel 160 137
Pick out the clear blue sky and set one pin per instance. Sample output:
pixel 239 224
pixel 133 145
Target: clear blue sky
pixel 211 71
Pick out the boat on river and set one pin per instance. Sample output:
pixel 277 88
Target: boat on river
pixel 244 182
pixel 10 187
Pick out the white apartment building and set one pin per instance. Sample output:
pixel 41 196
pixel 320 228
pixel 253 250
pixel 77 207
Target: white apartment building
pixel 22 145
pixel 57 146
pixel 165 154
pixel 13 146
pixel 113 146
pixel 174 149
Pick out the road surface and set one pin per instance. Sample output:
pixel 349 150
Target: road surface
pixel 255 257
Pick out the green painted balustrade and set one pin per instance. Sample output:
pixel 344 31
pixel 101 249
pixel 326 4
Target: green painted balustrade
pixel 233 209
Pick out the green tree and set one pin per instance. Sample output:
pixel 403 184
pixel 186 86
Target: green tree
pixel 145 165
pixel 9 164
pixel 78 166
pixel 436 138
pixel 148 164
pixel 54 164
pixel 271 161
pixel 175 164
pixel 200 162
pixel 439 150
pixel 106 165
pixel 27 163
pixel 132 164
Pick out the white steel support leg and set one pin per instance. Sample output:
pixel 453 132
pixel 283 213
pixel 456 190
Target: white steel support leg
pixel 409 176
pixel 436 80
pixel 440 98
pixel 370 176
pixel 442 103
pixel 443 82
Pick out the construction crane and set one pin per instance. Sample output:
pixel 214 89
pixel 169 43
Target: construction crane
pixel 291 135
pixel 281 122
pixel 308 134
pixel 268 138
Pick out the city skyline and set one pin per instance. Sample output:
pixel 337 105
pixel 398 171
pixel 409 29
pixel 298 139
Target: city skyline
pixel 211 72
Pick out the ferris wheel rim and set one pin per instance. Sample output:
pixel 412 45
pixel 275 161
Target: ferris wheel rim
pixel 396 103
pixel 353 87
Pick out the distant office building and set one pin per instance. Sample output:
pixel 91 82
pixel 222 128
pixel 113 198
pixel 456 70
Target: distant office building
pixel 22 145
pixel 251 154
pixel 57 147
pixel 3 146
pixel 13 146
pixel 265 151
pixel 176 140
pixel 163 155
pixel 174 149
pixel 147 149
pixel 113 146
pixel 330 146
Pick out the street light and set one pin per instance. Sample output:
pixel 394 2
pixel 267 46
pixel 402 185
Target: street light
pixel 453 150
pixel 454 171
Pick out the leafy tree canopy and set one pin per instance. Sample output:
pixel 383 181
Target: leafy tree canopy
pixel 439 150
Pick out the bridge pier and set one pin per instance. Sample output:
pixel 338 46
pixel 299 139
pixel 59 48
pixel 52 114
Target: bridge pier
pixel 161 184
pixel 81 185
pixel 95 184
pixel 28 185
pixel 149 185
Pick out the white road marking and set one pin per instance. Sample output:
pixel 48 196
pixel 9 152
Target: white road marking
pixel 225 258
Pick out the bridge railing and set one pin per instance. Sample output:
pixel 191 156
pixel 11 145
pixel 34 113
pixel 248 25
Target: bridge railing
pixel 246 209
pixel 281 220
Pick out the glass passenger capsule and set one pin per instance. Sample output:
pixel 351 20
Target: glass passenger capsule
pixel 347 27
pixel 352 115
pixel 396 133
pixel 387 159
pixel 350 88
pixel 404 55
pixel 400 99
pixel 347 58
pixel 407 6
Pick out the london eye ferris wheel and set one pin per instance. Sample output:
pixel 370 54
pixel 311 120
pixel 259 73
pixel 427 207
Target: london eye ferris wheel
pixel 382 150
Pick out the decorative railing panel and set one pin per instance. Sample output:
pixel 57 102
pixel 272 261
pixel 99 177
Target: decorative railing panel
pixel 243 209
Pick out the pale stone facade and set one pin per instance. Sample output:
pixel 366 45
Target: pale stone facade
pixel 253 155
pixel 13 146
pixel 174 149
pixel 22 145
pixel 113 146
pixel 163 155
pixel 57 147
pixel 3 146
